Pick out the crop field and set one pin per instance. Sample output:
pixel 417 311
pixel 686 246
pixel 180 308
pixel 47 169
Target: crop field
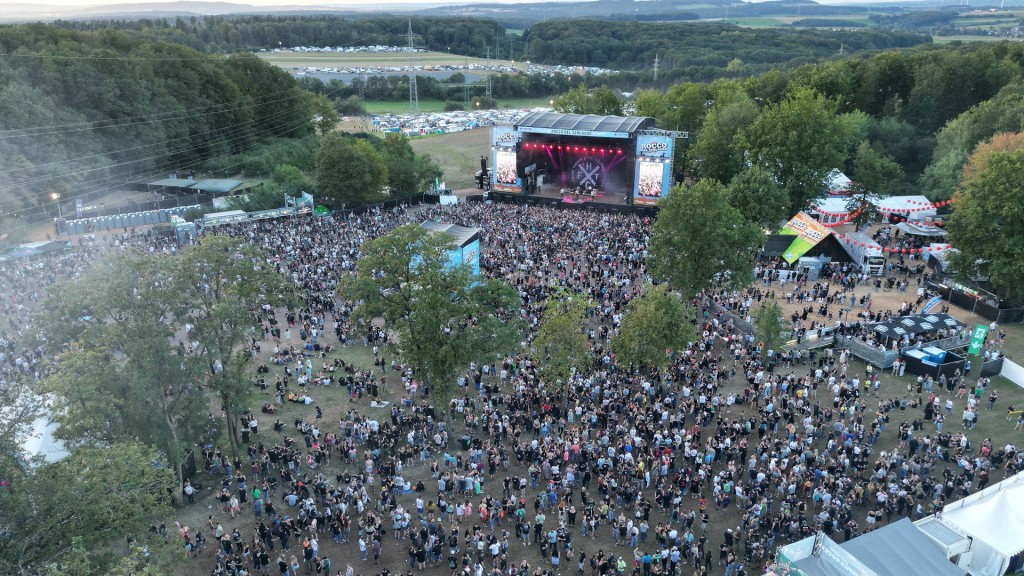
pixel 966 38
pixel 301 60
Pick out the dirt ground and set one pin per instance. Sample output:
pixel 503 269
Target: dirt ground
pixel 335 404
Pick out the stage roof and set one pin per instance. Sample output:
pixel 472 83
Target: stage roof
pixel 583 125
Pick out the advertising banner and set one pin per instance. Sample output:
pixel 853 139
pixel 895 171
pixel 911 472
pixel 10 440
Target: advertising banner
pixel 977 339
pixel 808 232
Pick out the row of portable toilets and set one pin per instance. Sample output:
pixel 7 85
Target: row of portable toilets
pixel 120 221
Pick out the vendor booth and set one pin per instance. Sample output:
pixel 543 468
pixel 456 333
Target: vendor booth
pixel 932 361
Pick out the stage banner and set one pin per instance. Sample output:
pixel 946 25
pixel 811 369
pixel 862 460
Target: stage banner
pixel 808 232
pixel 977 339
pixel 653 168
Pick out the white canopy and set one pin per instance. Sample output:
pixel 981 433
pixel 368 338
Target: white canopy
pixel 994 515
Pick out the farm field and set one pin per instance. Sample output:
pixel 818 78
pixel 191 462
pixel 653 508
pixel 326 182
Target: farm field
pixel 966 38
pixel 402 107
pixel 301 60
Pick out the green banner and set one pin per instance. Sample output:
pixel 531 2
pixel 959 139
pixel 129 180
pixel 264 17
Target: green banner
pixel 978 339
pixel 798 248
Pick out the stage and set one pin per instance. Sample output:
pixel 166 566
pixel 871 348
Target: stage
pixel 582 160
pixel 552 197
pixel 568 197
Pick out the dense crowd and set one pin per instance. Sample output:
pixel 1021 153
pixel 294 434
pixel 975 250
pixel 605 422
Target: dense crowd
pixel 729 450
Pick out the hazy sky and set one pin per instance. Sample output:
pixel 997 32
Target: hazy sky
pixel 367 4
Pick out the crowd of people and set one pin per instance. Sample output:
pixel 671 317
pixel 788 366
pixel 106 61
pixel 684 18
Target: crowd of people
pixel 618 470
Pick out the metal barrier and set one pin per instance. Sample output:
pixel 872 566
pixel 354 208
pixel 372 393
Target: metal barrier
pixel 886 358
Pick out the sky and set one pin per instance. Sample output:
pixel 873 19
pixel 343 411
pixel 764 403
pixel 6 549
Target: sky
pixel 367 4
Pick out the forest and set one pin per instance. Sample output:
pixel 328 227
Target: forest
pixel 214 34
pixel 697 51
pixel 85 109
pixel 899 122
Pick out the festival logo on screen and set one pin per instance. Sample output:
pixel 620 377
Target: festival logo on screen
pixel 587 172
pixel 655 146
pixel 505 136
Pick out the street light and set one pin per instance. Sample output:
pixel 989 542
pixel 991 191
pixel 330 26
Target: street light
pixel 56 198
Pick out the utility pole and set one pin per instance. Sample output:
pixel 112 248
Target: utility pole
pixel 414 95
pixel 655 67
pixel 488 86
pixel 497 47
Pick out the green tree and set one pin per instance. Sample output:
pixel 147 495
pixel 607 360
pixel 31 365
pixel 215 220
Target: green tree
pixel 92 497
pixel 799 141
pixel 656 324
pixel 561 337
pixel 290 180
pixel 699 238
pixel 349 172
pixel 600 101
pixel 987 225
pixel 325 115
pixel 122 380
pixel 219 285
pixel 958 138
pixel 877 172
pixel 716 154
pixel 758 197
pixel 769 326
pixel 409 174
pixel 443 315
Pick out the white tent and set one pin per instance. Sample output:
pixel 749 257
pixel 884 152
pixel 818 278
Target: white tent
pixel 994 519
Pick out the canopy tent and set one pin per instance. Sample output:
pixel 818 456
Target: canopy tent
pixel 994 515
pixel 915 324
pixel 915 207
pixel 32 249
pixel 920 229
pixel 216 185
pixel 172 183
pixel 837 183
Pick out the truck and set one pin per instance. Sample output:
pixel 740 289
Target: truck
pixel 865 253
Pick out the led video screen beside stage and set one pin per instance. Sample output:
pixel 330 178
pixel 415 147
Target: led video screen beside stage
pixel 653 169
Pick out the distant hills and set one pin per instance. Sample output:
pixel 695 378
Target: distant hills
pixel 510 15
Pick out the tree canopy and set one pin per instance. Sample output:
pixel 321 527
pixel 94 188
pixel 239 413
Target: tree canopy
pixel 699 237
pixel 987 226
pixel 444 317
pixel 656 324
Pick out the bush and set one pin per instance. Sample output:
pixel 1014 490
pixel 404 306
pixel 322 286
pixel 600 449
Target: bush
pixel 484 103
pixel 453 107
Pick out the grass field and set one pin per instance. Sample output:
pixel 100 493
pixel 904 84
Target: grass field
pixel 458 154
pixel 966 38
pixel 301 60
